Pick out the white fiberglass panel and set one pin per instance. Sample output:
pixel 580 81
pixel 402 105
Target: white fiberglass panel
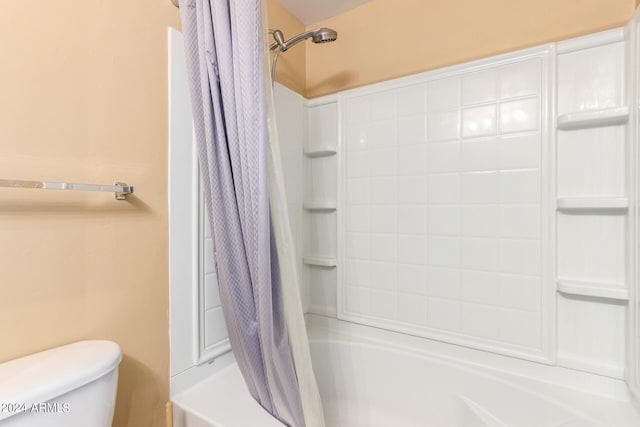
pixel 368 381
pixel 443 214
pixel 213 338
pixel 591 162
pixel 591 244
pixel 588 343
pixel 632 366
pixel 600 69
pixel 591 248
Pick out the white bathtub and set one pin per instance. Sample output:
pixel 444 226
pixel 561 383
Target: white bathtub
pixel 367 383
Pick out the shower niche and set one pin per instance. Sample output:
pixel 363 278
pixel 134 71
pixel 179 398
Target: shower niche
pixel 591 206
pixel 320 205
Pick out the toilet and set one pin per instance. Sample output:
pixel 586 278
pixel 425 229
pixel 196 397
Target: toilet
pixel 69 386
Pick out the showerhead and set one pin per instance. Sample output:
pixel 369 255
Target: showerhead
pixel 319 35
pixel 324 35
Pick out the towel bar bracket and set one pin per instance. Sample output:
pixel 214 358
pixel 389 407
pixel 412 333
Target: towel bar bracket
pixel 122 195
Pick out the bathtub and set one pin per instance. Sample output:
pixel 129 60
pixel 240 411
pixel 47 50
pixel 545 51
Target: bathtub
pixel 366 380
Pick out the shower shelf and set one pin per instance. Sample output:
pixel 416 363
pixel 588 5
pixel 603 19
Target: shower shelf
pixel 593 118
pixel 320 261
pixel 594 289
pixel 593 205
pixel 319 205
pixel 327 150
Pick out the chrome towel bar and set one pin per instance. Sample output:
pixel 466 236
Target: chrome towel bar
pixel 120 189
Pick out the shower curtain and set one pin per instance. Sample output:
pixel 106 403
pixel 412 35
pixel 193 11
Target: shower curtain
pixel 243 188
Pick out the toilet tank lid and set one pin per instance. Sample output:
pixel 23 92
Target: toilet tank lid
pixel 43 376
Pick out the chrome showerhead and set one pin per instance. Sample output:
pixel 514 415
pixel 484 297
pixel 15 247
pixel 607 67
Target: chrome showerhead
pixel 324 35
pixel 319 35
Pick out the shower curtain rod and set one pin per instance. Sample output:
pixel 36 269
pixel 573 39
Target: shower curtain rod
pixel 120 189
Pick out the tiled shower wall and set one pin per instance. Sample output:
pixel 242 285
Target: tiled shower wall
pixel 465 216
pixel 443 206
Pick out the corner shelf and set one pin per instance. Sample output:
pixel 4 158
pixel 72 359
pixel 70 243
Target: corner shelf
pixel 593 205
pixel 327 150
pixel 323 205
pixel 593 118
pixel 320 261
pixel 594 289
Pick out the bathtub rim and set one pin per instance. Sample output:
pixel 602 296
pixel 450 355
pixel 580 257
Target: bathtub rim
pixel 322 327
pixel 566 388
pixel 479 372
pixel 534 375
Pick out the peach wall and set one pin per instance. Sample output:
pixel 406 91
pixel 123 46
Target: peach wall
pixel 385 39
pixel 83 99
pixel 291 68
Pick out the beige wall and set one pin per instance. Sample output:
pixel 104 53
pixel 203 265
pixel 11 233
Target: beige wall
pixel 83 99
pixel 291 68
pixel 385 39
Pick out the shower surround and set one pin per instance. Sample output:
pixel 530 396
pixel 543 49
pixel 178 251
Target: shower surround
pixel 484 205
pixel 488 207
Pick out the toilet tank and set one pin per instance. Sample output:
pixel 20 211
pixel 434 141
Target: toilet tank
pixel 69 386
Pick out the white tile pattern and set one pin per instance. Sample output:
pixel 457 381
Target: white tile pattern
pixel 442 206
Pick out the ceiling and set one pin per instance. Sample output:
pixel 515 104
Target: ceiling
pixel 310 11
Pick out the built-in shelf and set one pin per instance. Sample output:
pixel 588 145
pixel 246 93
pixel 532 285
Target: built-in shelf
pixel 594 289
pixel 327 150
pixel 593 205
pixel 315 205
pixel 320 261
pixel 593 118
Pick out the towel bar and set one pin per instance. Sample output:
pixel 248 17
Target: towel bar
pixel 120 189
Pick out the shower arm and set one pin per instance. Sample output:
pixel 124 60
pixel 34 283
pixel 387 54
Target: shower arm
pixel 284 46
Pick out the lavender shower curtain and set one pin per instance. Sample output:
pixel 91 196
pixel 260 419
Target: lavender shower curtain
pixel 224 44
